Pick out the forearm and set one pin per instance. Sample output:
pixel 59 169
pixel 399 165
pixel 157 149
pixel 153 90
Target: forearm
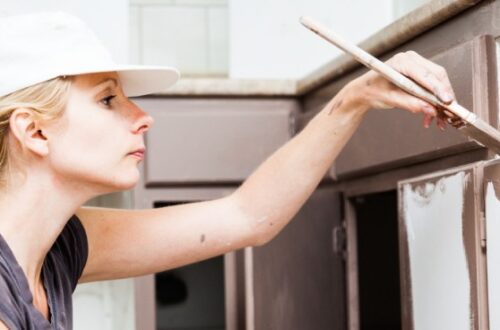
pixel 279 187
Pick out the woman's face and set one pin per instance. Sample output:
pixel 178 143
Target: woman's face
pixel 94 141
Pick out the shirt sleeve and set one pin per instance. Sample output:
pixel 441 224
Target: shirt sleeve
pixel 73 246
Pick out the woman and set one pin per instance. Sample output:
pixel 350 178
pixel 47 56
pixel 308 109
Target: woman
pixel 69 133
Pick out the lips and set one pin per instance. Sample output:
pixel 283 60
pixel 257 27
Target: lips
pixel 139 153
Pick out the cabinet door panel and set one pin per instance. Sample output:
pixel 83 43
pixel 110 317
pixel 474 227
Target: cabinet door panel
pixel 492 214
pixel 388 139
pixel 213 140
pixel 298 282
pixel 442 261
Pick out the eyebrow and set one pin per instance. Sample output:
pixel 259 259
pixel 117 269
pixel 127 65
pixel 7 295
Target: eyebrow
pixel 106 80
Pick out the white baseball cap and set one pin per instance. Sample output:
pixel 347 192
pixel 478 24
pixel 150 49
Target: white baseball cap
pixel 42 46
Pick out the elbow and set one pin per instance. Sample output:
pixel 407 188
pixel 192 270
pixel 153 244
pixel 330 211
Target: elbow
pixel 260 229
pixel 263 234
pixel 261 239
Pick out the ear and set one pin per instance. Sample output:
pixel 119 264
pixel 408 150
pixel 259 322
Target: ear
pixel 27 131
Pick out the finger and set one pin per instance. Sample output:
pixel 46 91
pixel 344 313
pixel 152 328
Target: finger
pixel 441 123
pixel 424 72
pixel 445 87
pixel 456 122
pixel 449 114
pixel 402 100
pixel 427 120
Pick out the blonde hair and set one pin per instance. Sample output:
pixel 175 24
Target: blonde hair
pixel 47 100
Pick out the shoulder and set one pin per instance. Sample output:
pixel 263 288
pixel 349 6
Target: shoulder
pixel 73 233
pixel 71 247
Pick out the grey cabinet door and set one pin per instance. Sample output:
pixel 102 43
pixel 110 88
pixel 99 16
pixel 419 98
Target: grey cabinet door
pixel 442 250
pixel 298 282
pixel 492 216
pixel 389 139
pixel 213 140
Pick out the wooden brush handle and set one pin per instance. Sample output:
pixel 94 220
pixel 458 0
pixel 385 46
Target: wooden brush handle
pixel 387 71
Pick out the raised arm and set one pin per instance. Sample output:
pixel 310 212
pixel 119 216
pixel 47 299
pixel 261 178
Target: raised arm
pixel 277 190
pixel 127 243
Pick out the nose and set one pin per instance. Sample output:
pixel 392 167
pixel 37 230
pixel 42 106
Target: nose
pixel 142 122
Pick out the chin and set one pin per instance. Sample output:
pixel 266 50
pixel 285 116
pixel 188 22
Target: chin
pixel 122 182
pixel 129 182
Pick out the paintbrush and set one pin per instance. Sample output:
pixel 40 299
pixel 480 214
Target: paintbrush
pixel 466 121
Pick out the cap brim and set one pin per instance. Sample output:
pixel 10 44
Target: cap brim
pixel 140 80
pixel 137 80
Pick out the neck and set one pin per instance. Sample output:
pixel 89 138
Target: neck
pixel 34 212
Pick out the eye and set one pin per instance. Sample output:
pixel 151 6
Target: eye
pixel 107 100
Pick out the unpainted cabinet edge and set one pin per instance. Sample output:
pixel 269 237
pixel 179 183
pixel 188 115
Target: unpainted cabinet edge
pixel 404 267
pixel 249 289
pixel 481 298
pixel 230 291
pixel 352 285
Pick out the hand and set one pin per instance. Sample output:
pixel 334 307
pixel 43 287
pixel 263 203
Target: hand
pixel 374 91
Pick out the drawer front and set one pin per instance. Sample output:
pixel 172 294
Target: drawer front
pixel 213 140
pixel 388 138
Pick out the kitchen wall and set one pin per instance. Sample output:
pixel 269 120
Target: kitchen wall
pixel 191 35
pixel 266 39
pixel 249 39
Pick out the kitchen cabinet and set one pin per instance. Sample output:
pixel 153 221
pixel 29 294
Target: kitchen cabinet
pixel 298 278
pixel 390 139
pixel 213 140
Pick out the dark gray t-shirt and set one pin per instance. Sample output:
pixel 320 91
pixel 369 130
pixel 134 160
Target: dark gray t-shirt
pixel 61 270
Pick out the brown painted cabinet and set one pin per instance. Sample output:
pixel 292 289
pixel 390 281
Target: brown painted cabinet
pixel 422 207
pixel 213 140
pixel 391 139
pixel 298 280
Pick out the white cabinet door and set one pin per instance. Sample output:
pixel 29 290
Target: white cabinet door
pixel 443 260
